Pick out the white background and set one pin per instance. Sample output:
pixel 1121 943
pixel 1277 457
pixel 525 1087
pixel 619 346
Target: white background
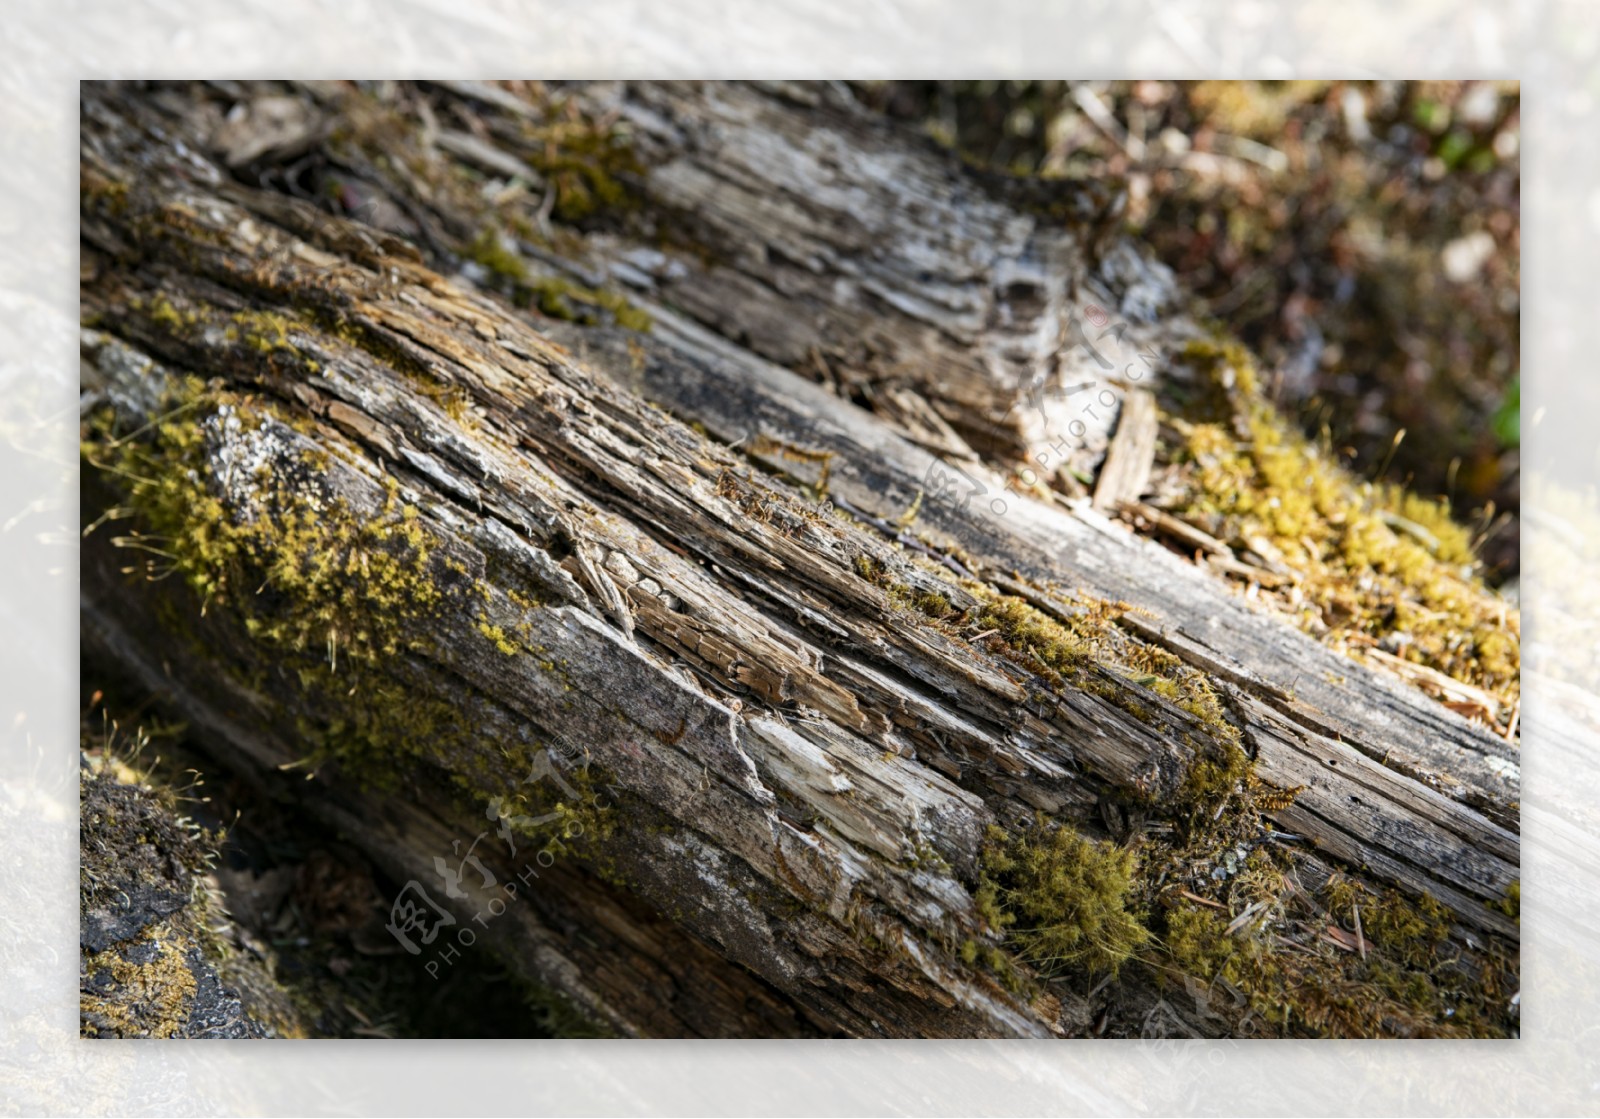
pixel 44 1068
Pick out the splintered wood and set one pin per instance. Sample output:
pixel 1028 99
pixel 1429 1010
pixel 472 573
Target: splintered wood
pixel 1126 472
pixel 812 681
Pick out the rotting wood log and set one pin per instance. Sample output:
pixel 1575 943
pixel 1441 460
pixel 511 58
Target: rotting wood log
pixel 599 152
pixel 801 768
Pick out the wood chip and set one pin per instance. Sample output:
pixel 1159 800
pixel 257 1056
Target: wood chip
pixel 1449 687
pixel 1242 919
pixel 1126 473
pixel 1182 531
pixel 1346 942
pixel 1232 566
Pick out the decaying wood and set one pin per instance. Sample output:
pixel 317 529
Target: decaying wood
pixel 1132 452
pixel 700 378
pixel 804 766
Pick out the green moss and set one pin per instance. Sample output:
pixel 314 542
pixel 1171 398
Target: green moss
pixel 161 310
pixel 551 295
pixel 1511 904
pixel 585 162
pixel 1413 931
pixel 1060 898
pixel 353 584
pixel 1408 982
pixel 99 193
pixel 489 249
pixel 341 595
pixel 1048 646
pixel 498 636
pixel 151 983
pixel 1075 648
pixel 567 815
pixel 563 299
pixel 585 165
pixel 1369 564
pixel 931 604
pixel 1220 766
pixel 1228 371
pixel 265 333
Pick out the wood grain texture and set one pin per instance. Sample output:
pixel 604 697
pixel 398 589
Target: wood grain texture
pixel 806 768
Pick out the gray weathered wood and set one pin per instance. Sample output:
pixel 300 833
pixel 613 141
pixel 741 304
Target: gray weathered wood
pixel 806 765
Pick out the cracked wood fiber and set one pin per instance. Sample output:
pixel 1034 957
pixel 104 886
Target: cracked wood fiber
pixel 806 731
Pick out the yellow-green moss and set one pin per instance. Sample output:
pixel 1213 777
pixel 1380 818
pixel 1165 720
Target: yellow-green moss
pixel 489 249
pixel 554 296
pixel 1061 899
pixel 1412 931
pixel 498 636
pixel 341 595
pixel 584 161
pixel 1038 639
pixel 1408 982
pixel 262 332
pixel 152 998
pixel 1067 649
pixel 1511 904
pixel 306 571
pixel 265 332
pixel 1372 564
pixel 1060 650
pixel 162 311
pixel 563 299
pixel 572 815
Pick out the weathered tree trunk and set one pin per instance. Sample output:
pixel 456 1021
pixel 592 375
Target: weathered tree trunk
pixel 744 759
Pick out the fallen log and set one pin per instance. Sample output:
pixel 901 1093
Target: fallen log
pixel 766 745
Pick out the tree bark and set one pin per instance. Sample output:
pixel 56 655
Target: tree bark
pixel 416 543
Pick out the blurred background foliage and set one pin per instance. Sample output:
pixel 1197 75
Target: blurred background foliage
pixel 1362 237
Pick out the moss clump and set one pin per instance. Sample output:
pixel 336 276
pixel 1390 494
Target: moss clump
pixel 563 299
pixel 1076 648
pixel 1060 897
pixel 1413 931
pixel 161 310
pixel 144 987
pixel 489 249
pixel 155 952
pixel 1064 649
pixel 263 336
pixel 1371 564
pixel 585 163
pixel 553 296
pixel 225 500
pixel 1220 767
pixel 304 570
pixel 1406 980
pixel 572 813
pixel 499 637
pixel 1055 649
pixel 265 332
pixel 1045 644
pixel 1511 904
